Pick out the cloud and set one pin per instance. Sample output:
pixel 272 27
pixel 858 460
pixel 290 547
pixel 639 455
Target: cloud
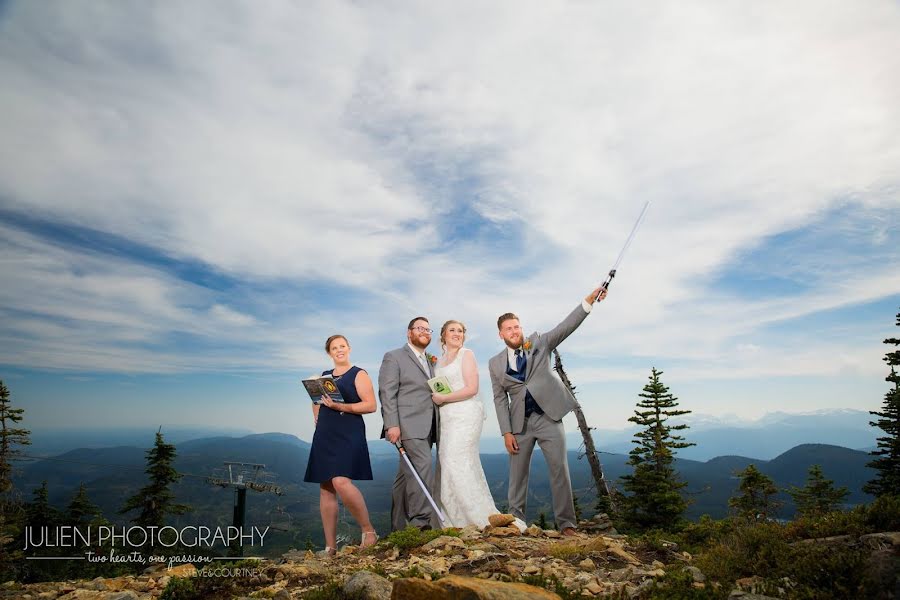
pixel 349 166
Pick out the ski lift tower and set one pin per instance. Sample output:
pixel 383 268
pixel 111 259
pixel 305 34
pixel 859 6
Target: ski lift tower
pixel 243 476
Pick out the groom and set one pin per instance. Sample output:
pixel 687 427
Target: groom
pixel 531 403
pixel 410 415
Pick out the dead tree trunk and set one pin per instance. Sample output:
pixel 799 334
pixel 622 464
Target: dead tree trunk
pixel 590 451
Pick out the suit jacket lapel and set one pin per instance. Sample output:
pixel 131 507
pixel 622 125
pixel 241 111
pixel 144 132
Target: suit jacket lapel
pixel 415 359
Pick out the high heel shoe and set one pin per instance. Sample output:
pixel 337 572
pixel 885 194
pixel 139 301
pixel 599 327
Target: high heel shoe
pixel 366 534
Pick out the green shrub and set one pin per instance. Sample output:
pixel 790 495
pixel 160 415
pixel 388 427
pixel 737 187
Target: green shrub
pixel 679 585
pixel 412 537
pixel 884 514
pixel 752 549
pixel 179 588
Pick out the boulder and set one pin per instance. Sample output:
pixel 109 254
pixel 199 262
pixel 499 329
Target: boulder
pixel 367 585
pixel 501 520
pixel 454 586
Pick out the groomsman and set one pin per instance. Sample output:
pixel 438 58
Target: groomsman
pixel 410 415
pixel 531 403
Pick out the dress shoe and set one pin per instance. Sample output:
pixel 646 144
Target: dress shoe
pixel 569 531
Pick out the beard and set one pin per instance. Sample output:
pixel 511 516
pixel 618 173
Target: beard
pixel 514 342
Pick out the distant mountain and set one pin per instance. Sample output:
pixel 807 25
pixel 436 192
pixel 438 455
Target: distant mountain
pixel 57 441
pixel 764 439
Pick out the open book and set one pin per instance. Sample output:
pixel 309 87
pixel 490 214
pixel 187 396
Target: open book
pixel 440 384
pixel 319 386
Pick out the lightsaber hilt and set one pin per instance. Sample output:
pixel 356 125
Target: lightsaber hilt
pixel 605 285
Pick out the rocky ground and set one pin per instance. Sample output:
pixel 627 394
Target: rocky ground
pixel 498 562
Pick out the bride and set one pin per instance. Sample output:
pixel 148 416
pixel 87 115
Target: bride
pixel 465 495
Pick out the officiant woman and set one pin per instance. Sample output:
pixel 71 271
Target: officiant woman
pixel 339 452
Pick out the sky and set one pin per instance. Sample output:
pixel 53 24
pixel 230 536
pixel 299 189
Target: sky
pixel 194 196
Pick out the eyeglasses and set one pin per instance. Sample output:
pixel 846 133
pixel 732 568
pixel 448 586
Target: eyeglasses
pixel 423 329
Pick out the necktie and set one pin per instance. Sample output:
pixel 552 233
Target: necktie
pixel 423 361
pixel 520 361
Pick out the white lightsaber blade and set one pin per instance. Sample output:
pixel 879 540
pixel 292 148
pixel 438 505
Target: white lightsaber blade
pixel 612 272
pixel 421 483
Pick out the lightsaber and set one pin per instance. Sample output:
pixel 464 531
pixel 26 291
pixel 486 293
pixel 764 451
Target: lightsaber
pixel 402 450
pixel 612 272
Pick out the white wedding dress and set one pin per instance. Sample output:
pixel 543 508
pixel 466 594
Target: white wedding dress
pixel 465 495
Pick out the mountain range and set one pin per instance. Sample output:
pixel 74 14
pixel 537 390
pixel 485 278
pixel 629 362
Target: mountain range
pixel 113 473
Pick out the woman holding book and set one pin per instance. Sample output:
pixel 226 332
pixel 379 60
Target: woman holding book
pixel 339 450
pixel 465 495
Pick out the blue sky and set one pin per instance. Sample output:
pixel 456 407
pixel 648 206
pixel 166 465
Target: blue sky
pixel 193 197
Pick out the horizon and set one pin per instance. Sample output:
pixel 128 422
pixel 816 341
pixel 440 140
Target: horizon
pixel 187 211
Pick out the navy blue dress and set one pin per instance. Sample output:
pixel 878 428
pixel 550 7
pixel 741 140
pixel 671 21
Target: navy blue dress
pixel 339 447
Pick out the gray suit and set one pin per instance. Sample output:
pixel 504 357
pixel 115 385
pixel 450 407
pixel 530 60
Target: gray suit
pixel 406 403
pixel 555 399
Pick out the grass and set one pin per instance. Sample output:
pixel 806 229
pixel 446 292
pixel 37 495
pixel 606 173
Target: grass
pixel 412 537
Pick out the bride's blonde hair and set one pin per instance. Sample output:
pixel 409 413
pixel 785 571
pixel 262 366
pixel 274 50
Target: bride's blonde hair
pixel 444 331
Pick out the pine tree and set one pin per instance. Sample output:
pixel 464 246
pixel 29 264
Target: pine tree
pixel 542 521
pixel 39 512
pixel 577 508
pixel 887 481
pixel 155 501
pixel 11 508
pixel 818 496
pixel 655 500
pixel 756 501
pixel 10 438
pixel 81 511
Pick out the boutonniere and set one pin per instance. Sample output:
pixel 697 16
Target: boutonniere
pixel 431 358
pixel 527 345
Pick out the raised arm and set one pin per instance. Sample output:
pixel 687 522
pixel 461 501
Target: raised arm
pixel 470 382
pixel 555 336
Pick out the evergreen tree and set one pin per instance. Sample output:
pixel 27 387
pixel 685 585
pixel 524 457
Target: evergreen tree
pixel 577 508
pixel 81 511
pixel 39 512
pixel 10 438
pixel 819 496
pixel 542 521
pixel 155 501
pixel 12 511
pixel 756 501
pixel 655 500
pixel 887 481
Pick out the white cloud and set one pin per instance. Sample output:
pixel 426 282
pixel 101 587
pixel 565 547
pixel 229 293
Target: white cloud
pixel 328 142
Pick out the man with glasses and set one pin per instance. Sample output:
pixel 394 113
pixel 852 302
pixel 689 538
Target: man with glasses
pixel 410 415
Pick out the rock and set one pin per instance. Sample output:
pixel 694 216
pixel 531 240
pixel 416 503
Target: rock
pixel 696 573
pixel 445 541
pixel 594 588
pixel 282 594
pixel 623 554
pixel 96 584
pixel 367 585
pixel 454 586
pixel 186 570
pixel 505 531
pixel 623 574
pixel 534 531
pixel 470 532
pixel 880 540
pixel 552 533
pixel 501 520
pixel 587 565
